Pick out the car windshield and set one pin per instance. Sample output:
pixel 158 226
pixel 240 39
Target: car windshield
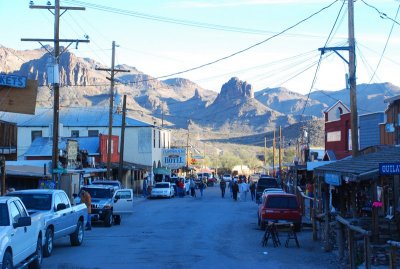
pixel 4 218
pixel 99 193
pixel 35 201
pixel 282 202
pixel 161 186
pixel 267 183
pixel 109 183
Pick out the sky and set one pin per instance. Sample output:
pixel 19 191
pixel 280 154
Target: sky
pixel 162 37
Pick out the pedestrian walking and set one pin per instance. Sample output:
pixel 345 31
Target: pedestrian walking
pixel 222 185
pixel 252 188
pixel 192 186
pixel 244 189
pixel 201 187
pixel 87 200
pixel 145 182
pixel 235 190
pixel 230 187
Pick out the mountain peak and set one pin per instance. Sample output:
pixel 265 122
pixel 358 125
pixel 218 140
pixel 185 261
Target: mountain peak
pixel 236 89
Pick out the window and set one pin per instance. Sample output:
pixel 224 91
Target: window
pixel 163 140
pixel 65 200
pixel 21 209
pixel 159 139
pixel 35 134
pixel 75 133
pixel 15 214
pixel 57 200
pixel 4 219
pixel 93 133
pixel 154 138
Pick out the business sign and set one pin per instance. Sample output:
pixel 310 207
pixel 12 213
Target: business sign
pixel 72 149
pixel 12 81
pixel 19 100
pixel 174 158
pixel 389 168
pixel 332 179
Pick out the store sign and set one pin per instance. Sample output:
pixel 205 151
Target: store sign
pixel 12 81
pixel 389 168
pixel 332 179
pixel 174 158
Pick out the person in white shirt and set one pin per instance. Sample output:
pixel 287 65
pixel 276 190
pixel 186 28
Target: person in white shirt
pixel 243 189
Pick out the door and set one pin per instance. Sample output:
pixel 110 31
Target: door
pixel 22 239
pixel 60 217
pixel 123 201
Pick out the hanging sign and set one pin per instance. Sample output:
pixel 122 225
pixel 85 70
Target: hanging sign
pixel 389 168
pixel 332 179
pixel 12 81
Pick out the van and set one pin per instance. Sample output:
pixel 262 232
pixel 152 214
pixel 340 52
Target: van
pixel 280 206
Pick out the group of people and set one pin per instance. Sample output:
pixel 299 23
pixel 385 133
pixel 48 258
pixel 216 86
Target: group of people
pixel 238 188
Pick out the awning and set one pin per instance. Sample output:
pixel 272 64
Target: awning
pixel 161 171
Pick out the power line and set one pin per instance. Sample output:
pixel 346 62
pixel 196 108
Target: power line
pixel 381 14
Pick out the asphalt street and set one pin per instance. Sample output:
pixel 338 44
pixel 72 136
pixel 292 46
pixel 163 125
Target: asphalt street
pixel 207 232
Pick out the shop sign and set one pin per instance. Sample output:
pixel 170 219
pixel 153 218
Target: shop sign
pixel 12 81
pixel 174 158
pixel 332 179
pixel 389 168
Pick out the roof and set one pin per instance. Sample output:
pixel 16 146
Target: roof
pixel 362 167
pixel 335 104
pixel 42 146
pixel 71 117
pixel 392 99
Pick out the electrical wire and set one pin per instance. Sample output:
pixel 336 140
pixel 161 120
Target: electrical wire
pixel 381 14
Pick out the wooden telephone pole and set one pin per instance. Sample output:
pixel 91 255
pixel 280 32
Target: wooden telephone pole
pixel 112 72
pixel 122 146
pixel 273 155
pixel 55 80
pixel 280 151
pixel 352 77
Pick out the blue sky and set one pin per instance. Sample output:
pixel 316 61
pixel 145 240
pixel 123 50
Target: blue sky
pixel 159 48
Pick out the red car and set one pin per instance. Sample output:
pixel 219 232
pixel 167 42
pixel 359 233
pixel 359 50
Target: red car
pixel 280 206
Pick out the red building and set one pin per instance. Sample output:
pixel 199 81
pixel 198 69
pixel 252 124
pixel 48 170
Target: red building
pixel 337 132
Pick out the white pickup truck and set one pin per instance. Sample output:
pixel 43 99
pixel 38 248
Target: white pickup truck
pixel 60 217
pixel 20 236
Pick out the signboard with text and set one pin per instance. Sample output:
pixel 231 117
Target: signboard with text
pixel 332 179
pixel 12 81
pixel 18 100
pixel 174 158
pixel 389 168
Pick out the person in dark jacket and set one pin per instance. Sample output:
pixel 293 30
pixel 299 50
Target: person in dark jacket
pixel 253 190
pixel 235 190
pixel 222 185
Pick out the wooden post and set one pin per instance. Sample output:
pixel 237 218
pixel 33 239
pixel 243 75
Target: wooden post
pixel 3 174
pixel 367 254
pixel 340 239
pixel 352 262
pixel 313 221
pixel 327 246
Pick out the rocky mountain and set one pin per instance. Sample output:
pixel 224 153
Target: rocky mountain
pixel 178 102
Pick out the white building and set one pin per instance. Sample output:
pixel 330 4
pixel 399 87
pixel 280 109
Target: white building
pixel 143 142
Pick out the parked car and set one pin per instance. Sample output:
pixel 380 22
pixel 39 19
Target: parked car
pixel 270 190
pixel 162 189
pixel 280 206
pixel 20 235
pixel 59 216
pixel 227 177
pixel 263 183
pixel 109 204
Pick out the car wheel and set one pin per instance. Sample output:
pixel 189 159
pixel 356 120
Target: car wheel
pixel 108 220
pixel 37 262
pixel 76 238
pixel 117 220
pixel 7 261
pixel 48 246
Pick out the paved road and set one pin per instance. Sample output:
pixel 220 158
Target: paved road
pixel 207 232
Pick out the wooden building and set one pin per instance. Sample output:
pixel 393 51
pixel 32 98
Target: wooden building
pixel 8 140
pixel 390 129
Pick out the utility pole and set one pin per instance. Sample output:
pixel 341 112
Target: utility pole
pixel 112 72
pixel 352 82
pixel 273 155
pixel 280 150
pixel 265 154
pixel 55 80
pixel 187 151
pixel 3 174
pixel 122 146
pixel 352 77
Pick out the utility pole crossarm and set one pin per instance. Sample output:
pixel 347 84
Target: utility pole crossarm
pixel 335 50
pixel 53 7
pixel 58 40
